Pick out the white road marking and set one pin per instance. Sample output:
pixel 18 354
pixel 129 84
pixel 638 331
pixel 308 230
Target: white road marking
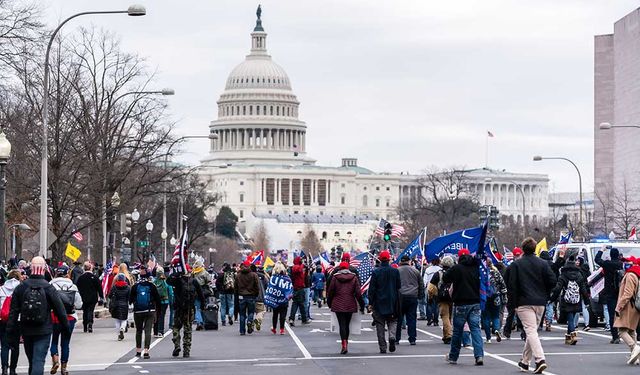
pixel 295 338
pixel 585 333
pixel 376 341
pixel 144 371
pixel 136 366
pixel 274 364
pixel 487 354
pixel 153 344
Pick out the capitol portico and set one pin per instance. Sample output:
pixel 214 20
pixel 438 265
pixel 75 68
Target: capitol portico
pixel 259 166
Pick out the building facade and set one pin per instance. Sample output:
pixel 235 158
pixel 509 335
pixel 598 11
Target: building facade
pixel 616 98
pixel 259 166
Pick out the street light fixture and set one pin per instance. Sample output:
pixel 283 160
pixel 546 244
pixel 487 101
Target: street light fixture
pixel 133 10
pixel 5 153
pixel 539 158
pixel 607 126
pixel 173 241
pixel 135 216
pixel 13 228
pixel 149 226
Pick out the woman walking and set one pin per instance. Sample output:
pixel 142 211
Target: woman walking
pixel 343 298
pixel 13 279
pixel 146 301
pixel 571 288
pixel 71 300
pixel 119 303
pixel 166 295
pixel 627 316
pixel 280 311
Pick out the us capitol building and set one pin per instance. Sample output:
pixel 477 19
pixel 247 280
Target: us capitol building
pixel 260 167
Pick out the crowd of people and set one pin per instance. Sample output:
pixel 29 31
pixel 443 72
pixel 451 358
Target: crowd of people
pixel 468 295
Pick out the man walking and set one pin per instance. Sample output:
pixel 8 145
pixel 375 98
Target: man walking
pixel 411 290
pixel 529 287
pixel 612 279
pixel 464 278
pixel 298 277
pixel 384 301
pixel 185 292
pixel 90 290
pixel 247 290
pixel 226 285
pixel 30 315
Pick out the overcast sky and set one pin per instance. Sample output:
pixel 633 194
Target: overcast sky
pixel 401 85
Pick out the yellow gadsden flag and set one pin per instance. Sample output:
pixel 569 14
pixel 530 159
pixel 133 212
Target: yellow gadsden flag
pixel 268 262
pixel 72 252
pixel 541 246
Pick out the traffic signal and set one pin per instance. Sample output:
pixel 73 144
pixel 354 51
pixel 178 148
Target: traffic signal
pixel 484 213
pixel 387 232
pixel 125 224
pixel 333 253
pixel 494 219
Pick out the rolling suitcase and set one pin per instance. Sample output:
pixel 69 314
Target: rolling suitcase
pixel 210 317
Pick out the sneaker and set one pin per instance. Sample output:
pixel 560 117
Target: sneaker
pixel 586 329
pixel 186 355
pixel 224 322
pixel 273 330
pixel 635 354
pixel 446 340
pixel 383 351
pixel 306 323
pixel 176 352
pixel 258 324
pixel 282 331
pixel 230 321
pixel 146 355
pixel 242 333
pixel 540 367
pixel 449 360
pixel 479 361
pixel 138 354
pixel 392 346
pixel 523 366
pixel 498 336
pixel 250 328
pixel 121 335
pixel 412 343
pixel 157 335
pixel 614 341
pixel 487 341
pixel 292 323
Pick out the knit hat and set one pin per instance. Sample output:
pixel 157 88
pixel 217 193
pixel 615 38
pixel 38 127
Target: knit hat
pixel 447 261
pixel 346 257
pixel 615 253
pixel 121 277
pixel 344 265
pixel 384 256
pixel 38 266
pixel 462 252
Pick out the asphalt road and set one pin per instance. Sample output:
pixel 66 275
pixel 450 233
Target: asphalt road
pixel 313 350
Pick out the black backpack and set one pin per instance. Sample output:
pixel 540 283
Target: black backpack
pixel 34 309
pixel 68 298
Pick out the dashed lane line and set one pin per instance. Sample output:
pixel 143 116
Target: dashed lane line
pixel 153 344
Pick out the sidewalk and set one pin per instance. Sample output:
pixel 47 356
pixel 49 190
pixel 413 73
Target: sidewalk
pixel 91 351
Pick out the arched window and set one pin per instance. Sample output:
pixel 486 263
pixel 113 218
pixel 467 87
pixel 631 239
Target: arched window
pixel 336 234
pixel 364 201
pixel 324 235
pixel 250 110
pixel 277 111
pixel 287 111
pixel 271 110
pixel 264 110
pixel 258 110
pixel 237 110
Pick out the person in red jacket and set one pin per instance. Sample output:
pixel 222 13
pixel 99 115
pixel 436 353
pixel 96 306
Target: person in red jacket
pixel 343 297
pixel 298 276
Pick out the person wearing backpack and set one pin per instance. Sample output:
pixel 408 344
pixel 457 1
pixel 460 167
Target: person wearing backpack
pixel 203 278
pixel 227 291
pixel 185 292
pixel 626 310
pixel 91 292
pixel 30 316
pixel 496 299
pixel 571 289
pixel 146 301
pixel 609 295
pixel 165 292
pixel 441 292
pixel 71 300
pixel 6 291
pixel 119 303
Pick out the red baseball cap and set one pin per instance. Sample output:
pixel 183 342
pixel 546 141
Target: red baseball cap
pixel 517 251
pixel 384 256
pixel 462 252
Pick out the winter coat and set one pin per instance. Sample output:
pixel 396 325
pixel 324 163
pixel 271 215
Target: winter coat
pixel 186 291
pixel 119 301
pixel 465 278
pixel 317 280
pixel 76 272
pixel 202 277
pixel 570 272
pixel 64 283
pixel 500 286
pixel 344 294
pixel 298 274
pixel 611 268
pixel 7 289
pixel 264 282
pixel 53 303
pixel 90 288
pixel 626 314
pixel 411 283
pixel 247 283
pixel 530 282
pixel 384 290
pixel 155 302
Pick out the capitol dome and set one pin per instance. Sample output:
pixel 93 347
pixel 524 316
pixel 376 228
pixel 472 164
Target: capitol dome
pixel 258 113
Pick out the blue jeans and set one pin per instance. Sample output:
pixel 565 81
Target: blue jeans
pixel 432 310
pixel 198 315
pixel 466 314
pixel 36 349
pixel 491 320
pixel 298 302
pixel 571 321
pixel 307 301
pixel 548 312
pixel 4 341
pixel 247 309
pixel 226 305
pixel 585 316
pixel 605 313
pixel 58 331
pixel 422 307
pixel 408 308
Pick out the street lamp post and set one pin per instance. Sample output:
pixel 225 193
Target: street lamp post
pixel 115 205
pixel 5 152
pixel 149 227
pixel 135 216
pixel 539 158
pixel 13 236
pixel 608 126
pixel 134 10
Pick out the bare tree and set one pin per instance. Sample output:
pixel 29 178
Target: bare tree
pixel 625 212
pixel 310 241
pixel 260 237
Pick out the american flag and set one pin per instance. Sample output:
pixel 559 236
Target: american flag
pixel 396 230
pixel 484 284
pixel 179 260
pixel 76 234
pixel 490 134
pixel 364 264
pixel 108 268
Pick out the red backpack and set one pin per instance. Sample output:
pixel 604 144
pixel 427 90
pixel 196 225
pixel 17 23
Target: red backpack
pixel 6 307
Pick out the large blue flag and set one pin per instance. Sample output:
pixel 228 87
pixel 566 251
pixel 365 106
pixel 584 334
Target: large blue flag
pixel 414 249
pixel 472 239
pixel 565 239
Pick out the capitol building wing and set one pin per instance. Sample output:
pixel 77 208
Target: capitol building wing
pixel 259 165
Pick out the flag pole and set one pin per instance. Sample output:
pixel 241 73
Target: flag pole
pixel 486 151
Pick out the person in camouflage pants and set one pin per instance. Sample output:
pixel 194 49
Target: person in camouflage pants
pixel 186 291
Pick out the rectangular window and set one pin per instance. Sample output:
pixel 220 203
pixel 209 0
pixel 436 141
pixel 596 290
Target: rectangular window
pixel 241 197
pixel 284 196
pixel 342 199
pixel 270 191
pixel 388 203
pixel 241 183
pixel 306 192
pixel 377 202
pixel 295 192
pixel 241 214
pixel 322 192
